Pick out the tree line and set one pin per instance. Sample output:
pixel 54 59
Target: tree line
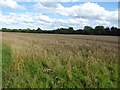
pixel 87 30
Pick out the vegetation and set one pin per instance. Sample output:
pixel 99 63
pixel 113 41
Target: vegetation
pixel 98 30
pixel 59 61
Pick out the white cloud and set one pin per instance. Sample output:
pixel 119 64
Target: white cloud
pixel 38 20
pixel 48 0
pixel 67 0
pixel 44 18
pixel 80 15
pixel 86 10
pixel 90 11
pixel 27 20
pixel 11 4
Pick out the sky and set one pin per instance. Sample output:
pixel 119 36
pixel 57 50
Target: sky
pixel 57 14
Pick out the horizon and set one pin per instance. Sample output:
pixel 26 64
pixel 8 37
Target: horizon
pixel 56 28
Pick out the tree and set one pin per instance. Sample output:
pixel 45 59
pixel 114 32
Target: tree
pixel 107 31
pixel 71 28
pixel 99 30
pixel 115 31
pixel 80 31
pixel 88 30
pixel 38 29
pixel 4 29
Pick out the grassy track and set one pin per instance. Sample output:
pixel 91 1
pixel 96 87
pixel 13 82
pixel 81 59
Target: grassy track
pixel 6 65
pixel 0 66
pixel 56 61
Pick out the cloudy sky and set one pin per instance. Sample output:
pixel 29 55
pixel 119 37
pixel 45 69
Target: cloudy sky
pixel 53 15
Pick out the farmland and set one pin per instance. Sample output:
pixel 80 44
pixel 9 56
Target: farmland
pixel 59 61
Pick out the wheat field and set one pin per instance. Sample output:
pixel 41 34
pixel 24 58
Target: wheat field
pixel 59 61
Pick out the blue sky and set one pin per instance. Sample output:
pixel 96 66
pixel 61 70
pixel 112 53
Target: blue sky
pixel 53 15
pixel 107 5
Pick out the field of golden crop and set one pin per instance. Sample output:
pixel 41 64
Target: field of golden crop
pixel 54 61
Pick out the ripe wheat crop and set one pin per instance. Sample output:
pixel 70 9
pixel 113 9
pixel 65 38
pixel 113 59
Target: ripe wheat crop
pixel 56 61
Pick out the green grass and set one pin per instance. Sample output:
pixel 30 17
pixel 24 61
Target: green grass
pixel 38 73
pixel 0 66
pixel 6 65
pixel 56 61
